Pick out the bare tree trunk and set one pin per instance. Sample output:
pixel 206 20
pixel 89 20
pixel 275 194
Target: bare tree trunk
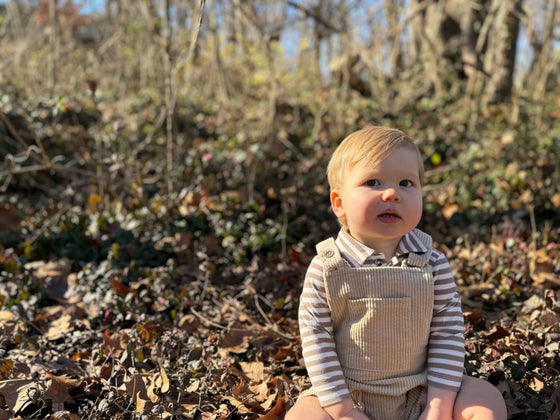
pixel 415 32
pixel 222 88
pixel 544 58
pixel 169 97
pixel 14 19
pixel 433 45
pixel 317 38
pixel 500 59
pixel 52 47
pixel 393 10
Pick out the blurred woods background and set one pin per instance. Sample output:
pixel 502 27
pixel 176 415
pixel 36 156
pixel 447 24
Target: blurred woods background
pixel 162 186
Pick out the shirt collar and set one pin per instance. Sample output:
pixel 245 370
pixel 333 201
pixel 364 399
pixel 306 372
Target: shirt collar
pixel 358 253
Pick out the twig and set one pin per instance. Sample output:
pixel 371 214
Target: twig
pixel 194 37
pixel 268 322
pixel 14 133
pixel 207 321
pixel 534 232
pixel 45 167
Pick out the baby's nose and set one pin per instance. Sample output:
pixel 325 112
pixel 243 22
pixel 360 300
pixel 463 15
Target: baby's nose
pixel 390 194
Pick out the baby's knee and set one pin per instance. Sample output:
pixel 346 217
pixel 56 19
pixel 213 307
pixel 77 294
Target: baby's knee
pixel 307 408
pixel 479 399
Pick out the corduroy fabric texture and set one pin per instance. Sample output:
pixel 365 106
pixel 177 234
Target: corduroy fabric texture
pixel 381 319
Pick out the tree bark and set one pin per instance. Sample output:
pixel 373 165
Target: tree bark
pixel 502 51
pixel 169 98
pixel 52 47
pixel 393 10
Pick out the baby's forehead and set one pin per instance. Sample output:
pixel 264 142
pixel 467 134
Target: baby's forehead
pixel 368 158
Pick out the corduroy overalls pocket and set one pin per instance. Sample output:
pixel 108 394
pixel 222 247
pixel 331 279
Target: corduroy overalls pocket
pixel 373 343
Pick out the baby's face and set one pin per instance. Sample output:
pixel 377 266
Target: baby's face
pixel 381 202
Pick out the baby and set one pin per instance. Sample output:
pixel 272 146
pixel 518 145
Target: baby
pixel 380 318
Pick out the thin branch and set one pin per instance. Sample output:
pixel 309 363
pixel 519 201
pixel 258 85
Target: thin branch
pixel 194 37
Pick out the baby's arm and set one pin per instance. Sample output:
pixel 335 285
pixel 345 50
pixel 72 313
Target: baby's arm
pixel 440 404
pixel 446 344
pixel 318 347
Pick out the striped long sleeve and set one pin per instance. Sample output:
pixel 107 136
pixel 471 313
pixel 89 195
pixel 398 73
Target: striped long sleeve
pixel 446 348
pixel 319 350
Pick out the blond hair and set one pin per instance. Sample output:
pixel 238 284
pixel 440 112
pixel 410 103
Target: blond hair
pixel 371 144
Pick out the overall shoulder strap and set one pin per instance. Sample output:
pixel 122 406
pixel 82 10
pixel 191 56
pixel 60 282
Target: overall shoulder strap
pixel 329 254
pixel 420 259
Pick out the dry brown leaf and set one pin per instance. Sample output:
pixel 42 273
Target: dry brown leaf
pixel 193 387
pixel 159 384
pixel 137 389
pixel 9 219
pixel 555 200
pixel 510 391
pixel 449 209
pixel 60 327
pixel 546 279
pixel 253 370
pixel 536 385
pixel 162 381
pixel 11 388
pixel 188 323
pixel 239 405
pixel 238 340
pixel 475 290
pixel 115 345
pixel 57 391
pixel 549 318
pixel 59 268
pixel 7 316
pixel 260 391
pixel 277 412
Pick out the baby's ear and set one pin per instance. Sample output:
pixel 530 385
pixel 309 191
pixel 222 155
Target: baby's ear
pixel 336 204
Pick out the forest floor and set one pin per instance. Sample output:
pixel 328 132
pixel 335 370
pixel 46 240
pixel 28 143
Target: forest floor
pixel 153 307
pixel 176 341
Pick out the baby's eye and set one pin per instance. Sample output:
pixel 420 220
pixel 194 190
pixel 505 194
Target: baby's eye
pixel 406 183
pixel 372 182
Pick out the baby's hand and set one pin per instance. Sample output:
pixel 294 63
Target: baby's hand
pixel 354 414
pixel 434 414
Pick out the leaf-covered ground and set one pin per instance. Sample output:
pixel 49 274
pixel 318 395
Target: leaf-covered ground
pixel 116 340
pixel 132 304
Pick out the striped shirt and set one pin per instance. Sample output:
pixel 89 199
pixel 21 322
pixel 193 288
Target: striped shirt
pixel 446 342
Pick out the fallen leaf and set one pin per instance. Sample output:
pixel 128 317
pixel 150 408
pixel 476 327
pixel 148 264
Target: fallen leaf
pixel 57 391
pixel 121 289
pixel 60 268
pixel 25 394
pixel 188 323
pixel 239 405
pixel 9 219
pixel 536 385
pixel 10 390
pixel 7 316
pixel 162 381
pixel 137 389
pixel 555 200
pixel 115 345
pixel 277 412
pixel 449 209
pixel 60 327
pixel 253 370
pixel 496 333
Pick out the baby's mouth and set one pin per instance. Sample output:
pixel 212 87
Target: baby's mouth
pixel 389 217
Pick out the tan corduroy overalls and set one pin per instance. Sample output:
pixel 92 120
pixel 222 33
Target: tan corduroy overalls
pixel 381 318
